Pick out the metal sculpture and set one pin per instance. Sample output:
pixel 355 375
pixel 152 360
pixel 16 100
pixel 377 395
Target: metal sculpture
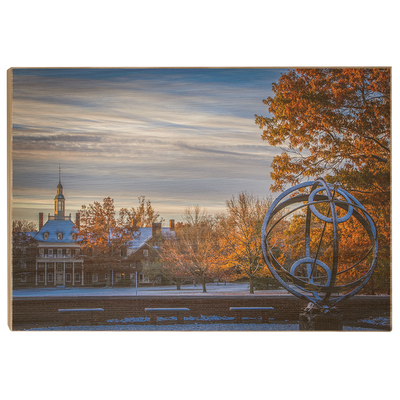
pixel 310 278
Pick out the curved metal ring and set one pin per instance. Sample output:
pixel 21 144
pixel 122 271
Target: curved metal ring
pixel 309 260
pixel 318 294
pixel 325 218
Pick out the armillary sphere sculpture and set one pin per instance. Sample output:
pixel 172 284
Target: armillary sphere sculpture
pixel 320 275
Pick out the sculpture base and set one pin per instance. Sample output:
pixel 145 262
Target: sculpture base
pixel 313 319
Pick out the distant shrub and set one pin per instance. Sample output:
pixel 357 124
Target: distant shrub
pixel 266 283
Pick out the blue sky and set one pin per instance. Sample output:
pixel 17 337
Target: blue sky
pixel 180 137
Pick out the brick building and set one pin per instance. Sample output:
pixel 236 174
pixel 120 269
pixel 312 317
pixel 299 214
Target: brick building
pixel 51 257
pixel 24 252
pixel 146 239
pixel 58 261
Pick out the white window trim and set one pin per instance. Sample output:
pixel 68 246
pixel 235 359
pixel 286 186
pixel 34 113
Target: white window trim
pixel 68 277
pixel 95 278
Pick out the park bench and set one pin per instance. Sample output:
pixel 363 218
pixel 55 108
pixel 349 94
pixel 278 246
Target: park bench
pixel 239 311
pixel 154 312
pixel 69 314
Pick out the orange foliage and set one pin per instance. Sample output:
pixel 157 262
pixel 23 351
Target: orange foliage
pixel 335 123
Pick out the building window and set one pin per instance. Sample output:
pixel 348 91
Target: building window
pixel 77 278
pixel 68 277
pixel 51 252
pixel 23 278
pixel 59 236
pixel 41 265
pixel 59 252
pixel 68 252
pixel 68 265
pixel 41 252
pixel 95 278
pixel 45 235
pixel 77 252
pixel 50 266
pixel 50 277
pixel 117 277
pixel 41 277
pixel 23 264
pixel 145 253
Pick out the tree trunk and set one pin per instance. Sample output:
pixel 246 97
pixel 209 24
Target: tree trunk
pixel 251 284
pixel 178 284
pixel 203 282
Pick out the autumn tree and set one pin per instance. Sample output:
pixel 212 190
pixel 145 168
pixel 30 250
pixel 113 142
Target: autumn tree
pixel 142 216
pixel 24 246
pixel 23 226
pixel 335 123
pixel 104 233
pixel 354 256
pixel 331 121
pixel 102 236
pixel 193 250
pixel 240 231
pixel 158 266
pixel 167 268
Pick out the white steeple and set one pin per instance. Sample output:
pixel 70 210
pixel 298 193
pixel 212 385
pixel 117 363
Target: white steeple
pixel 59 200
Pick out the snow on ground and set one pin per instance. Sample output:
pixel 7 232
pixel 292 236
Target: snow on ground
pixel 186 290
pixel 202 318
pixel 202 323
pixel 384 321
pixel 188 327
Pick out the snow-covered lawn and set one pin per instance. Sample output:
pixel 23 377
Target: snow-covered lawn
pixel 201 323
pixel 186 290
pixel 377 321
pixel 188 327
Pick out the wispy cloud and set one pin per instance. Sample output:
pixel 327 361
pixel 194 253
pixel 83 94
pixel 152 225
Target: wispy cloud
pixel 136 130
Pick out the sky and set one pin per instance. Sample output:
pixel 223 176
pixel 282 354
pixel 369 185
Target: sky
pixel 179 137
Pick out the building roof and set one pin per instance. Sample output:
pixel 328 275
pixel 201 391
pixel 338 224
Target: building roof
pixel 53 228
pixel 143 235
